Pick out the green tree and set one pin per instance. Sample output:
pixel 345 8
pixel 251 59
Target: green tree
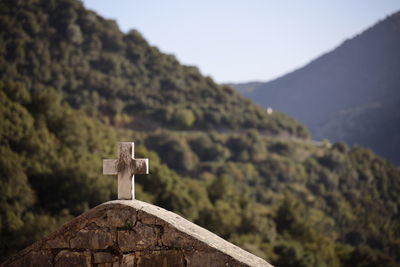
pixel 183 118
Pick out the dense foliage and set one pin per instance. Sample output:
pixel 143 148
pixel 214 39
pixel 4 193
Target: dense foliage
pixel 101 70
pixel 73 84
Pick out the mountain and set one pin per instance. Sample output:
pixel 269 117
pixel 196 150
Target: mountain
pixel 246 88
pixel 72 85
pixel 350 94
pixel 104 69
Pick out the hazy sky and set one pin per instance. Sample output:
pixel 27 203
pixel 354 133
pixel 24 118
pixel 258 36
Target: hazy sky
pixel 238 40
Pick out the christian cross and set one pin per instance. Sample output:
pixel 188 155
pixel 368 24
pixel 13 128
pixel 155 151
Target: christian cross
pixel 126 166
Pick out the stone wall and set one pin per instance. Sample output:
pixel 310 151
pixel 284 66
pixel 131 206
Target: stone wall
pixel 132 233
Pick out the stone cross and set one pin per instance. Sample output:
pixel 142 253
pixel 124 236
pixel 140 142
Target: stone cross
pixel 126 166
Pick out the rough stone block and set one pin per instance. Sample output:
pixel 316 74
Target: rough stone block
pixel 116 218
pixel 160 258
pixel 67 258
pixel 109 264
pixel 139 238
pixel 128 260
pixel 202 258
pixel 103 257
pixel 58 242
pixel 145 218
pixel 93 239
pixel 171 238
pixel 35 258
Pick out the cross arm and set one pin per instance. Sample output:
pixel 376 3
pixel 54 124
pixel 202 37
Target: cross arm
pixel 140 166
pixel 110 167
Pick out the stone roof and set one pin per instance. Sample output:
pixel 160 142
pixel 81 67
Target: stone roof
pixel 132 233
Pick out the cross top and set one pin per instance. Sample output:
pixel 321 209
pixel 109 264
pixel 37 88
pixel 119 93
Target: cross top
pixel 126 166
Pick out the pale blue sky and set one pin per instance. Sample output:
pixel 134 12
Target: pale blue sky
pixel 238 40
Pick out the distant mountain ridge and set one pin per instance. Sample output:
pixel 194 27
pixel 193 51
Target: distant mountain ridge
pixel 350 94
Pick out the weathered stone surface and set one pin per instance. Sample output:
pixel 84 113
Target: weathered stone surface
pixel 203 238
pixel 116 218
pixel 108 264
pixel 35 258
pixel 93 239
pixel 67 258
pixel 169 238
pixel 163 258
pixel 139 238
pixel 41 258
pixel 58 242
pixel 123 233
pixel 144 217
pixel 128 260
pixel 200 258
pixel 103 257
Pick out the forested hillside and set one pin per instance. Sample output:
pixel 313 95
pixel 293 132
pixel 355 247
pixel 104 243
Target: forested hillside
pixel 350 94
pixel 103 71
pixel 72 85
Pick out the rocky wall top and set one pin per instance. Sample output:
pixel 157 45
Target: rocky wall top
pixel 132 233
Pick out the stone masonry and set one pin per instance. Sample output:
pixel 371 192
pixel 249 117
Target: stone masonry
pixel 132 233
